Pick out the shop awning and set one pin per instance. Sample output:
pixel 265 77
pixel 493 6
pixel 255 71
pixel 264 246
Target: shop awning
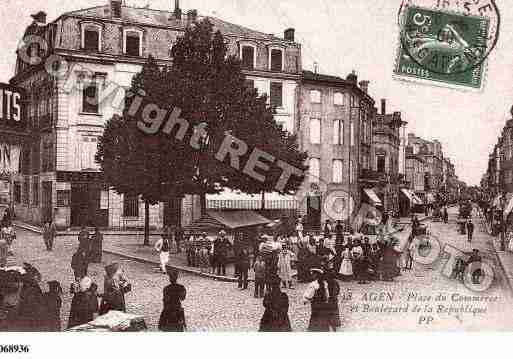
pixel 373 196
pixel 497 201
pixel 407 193
pixel 229 220
pixel 509 205
pixel 416 198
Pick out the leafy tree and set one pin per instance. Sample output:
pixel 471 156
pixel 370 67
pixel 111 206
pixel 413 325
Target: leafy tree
pixel 209 90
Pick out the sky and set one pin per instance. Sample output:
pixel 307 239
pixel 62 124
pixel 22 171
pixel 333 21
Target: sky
pixel 341 36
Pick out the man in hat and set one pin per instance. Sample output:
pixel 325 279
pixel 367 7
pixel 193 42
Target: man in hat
pixel 53 303
pixel 221 247
pixel 83 239
pixel 470 230
pixel 474 263
pixel 163 247
pixel 4 252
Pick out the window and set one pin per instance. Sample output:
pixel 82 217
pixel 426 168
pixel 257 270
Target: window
pixel 248 57
pixel 63 198
pixel 352 133
pixel 249 84
pixel 338 132
pixel 48 157
pixel 315 96
pixel 90 102
pixel 17 192
pixel 338 99
pixel 381 161
pixel 276 95
pixel 91 35
pixel 337 171
pixel 315 131
pixel 35 192
pixel 351 171
pixel 130 205
pixel 276 60
pixel 88 149
pixel 364 131
pixel 133 42
pixel 26 190
pixel 315 170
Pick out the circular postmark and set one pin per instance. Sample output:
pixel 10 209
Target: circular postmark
pixel 448 37
pixel 339 205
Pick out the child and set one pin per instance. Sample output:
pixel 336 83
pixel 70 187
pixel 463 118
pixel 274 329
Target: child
pixel 163 247
pixel 259 268
pixel 204 258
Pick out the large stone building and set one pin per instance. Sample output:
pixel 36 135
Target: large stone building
pixel 335 128
pixel 386 143
pixel 415 172
pixel 104 47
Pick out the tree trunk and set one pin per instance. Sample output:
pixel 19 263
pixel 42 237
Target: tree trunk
pixel 146 223
pixel 262 205
pixel 203 203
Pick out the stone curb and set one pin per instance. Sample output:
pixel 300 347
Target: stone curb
pixel 178 268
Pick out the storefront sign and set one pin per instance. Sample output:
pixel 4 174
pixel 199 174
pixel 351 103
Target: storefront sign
pixel 11 107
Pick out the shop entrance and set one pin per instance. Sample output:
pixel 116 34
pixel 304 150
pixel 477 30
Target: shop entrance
pixel 86 205
pixel 173 212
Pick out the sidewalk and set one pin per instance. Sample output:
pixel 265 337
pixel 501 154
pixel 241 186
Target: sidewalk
pixel 128 244
pixel 505 259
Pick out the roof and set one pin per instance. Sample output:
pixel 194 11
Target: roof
pixel 230 220
pixel 165 18
pixel 309 76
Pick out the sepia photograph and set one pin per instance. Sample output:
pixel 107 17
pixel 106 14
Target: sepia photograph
pixel 246 166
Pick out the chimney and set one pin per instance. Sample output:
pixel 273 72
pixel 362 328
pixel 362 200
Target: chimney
pixel 178 12
pixel 192 15
pixel 364 85
pixel 40 17
pixel 115 8
pixel 383 106
pixel 290 34
pixel 352 77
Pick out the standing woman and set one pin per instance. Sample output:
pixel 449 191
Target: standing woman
pixel 115 288
pixel 285 266
pixel 172 318
pixel 346 268
pixel 96 246
pixel 276 314
pixel 317 295
pixel 84 304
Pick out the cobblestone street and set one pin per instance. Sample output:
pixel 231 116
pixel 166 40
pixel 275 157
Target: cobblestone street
pixel 218 306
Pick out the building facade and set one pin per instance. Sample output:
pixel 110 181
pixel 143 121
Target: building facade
pixel 335 128
pixel 415 172
pixel 104 47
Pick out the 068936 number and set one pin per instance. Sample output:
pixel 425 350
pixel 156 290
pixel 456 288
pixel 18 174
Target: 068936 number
pixel 13 348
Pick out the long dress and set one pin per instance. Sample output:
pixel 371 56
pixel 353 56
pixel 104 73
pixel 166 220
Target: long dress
pixel 346 268
pixel 96 248
pixel 172 318
pixel 321 315
pixel 114 296
pixel 276 317
pixel 83 307
pixel 53 303
pixel 284 265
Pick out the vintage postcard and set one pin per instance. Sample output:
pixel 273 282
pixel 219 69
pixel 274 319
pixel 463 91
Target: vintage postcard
pixel 255 166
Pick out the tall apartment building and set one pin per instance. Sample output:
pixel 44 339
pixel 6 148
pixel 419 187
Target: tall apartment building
pixel 107 45
pixel 335 128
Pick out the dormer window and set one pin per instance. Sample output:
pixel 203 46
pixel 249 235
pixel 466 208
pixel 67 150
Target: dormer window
pixel 338 99
pixel 276 59
pixel 91 37
pixel 248 56
pixel 132 42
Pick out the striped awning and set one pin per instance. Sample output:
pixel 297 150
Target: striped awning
pixel 373 196
pixel 227 220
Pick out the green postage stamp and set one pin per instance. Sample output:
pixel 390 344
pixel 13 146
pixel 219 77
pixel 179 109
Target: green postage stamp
pixel 443 46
